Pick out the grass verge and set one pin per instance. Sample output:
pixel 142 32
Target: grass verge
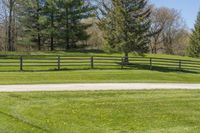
pixel 174 111
pixel 97 76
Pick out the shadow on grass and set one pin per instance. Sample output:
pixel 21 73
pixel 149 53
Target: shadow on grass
pixel 159 68
pixel 86 51
pixel 23 121
pixel 130 66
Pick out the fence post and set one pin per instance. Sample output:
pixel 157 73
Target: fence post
pixel 21 63
pixel 92 62
pixel 122 63
pixel 180 65
pixel 58 61
pixel 150 64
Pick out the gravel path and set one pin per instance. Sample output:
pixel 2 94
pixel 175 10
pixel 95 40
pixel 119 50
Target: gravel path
pixel 99 86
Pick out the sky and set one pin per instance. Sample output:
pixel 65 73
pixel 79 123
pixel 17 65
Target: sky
pixel 188 8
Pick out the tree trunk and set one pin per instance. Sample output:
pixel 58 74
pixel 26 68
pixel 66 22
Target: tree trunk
pixel 52 26
pixel 14 33
pixel 52 43
pixel 39 41
pixel 38 26
pixel 126 59
pixel 10 22
pixel 67 30
pixel 155 47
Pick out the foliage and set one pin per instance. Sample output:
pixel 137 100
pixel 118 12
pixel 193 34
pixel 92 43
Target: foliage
pixel 171 33
pixel 126 26
pixel 194 48
pixel 55 21
pixel 96 40
pixel 123 26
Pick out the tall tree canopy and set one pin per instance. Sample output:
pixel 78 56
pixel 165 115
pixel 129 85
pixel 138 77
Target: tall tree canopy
pixel 55 22
pixel 170 35
pixel 72 29
pixel 194 49
pixel 127 25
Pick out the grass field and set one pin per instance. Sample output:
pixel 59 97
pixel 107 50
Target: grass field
pixel 158 111
pixel 98 76
pixel 82 60
pixel 95 53
pixel 173 111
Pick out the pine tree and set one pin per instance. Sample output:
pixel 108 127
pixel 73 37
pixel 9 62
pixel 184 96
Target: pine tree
pixel 126 26
pixel 194 48
pixel 55 22
pixel 32 19
pixel 71 27
pixel 50 12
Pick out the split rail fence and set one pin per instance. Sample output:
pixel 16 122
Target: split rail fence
pixel 23 63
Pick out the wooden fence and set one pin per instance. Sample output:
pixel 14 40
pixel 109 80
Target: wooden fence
pixel 24 63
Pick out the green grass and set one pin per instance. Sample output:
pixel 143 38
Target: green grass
pixel 167 72
pixel 97 76
pixel 172 57
pixel 51 59
pixel 95 53
pixel 160 111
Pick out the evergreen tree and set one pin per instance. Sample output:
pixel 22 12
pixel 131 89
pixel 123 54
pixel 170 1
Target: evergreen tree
pixel 32 19
pixel 194 48
pixel 55 21
pixel 72 30
pixel 50 12
pixel 126 26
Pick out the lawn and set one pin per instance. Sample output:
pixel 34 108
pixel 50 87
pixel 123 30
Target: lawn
pixel 98 76
pixel 95 53
pixel 38 61
pixel 155 111
pixel 113 74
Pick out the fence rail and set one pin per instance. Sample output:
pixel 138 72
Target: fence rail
pixel 24 63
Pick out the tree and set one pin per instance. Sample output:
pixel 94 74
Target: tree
pixel 174 23
pixel 2 37
pixel 3 26
pixel 95 40
pixel 170 31
pixel 32 19
pixel 51 13
pixel 158 20
pixel 181 42
pixel 194 48
pixel 10 6
pixel 72 30
pixel 55 21
pixel 126 26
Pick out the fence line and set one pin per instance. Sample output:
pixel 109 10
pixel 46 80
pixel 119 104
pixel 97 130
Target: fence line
pixel 23 63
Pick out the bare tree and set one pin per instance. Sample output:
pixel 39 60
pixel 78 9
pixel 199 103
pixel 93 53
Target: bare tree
pixel 10 23
pixel 173 26
pixel 181 42
pixel 96 35
pixel 103 6
pixel 169 26
pixel 158 21
pixel 3 26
